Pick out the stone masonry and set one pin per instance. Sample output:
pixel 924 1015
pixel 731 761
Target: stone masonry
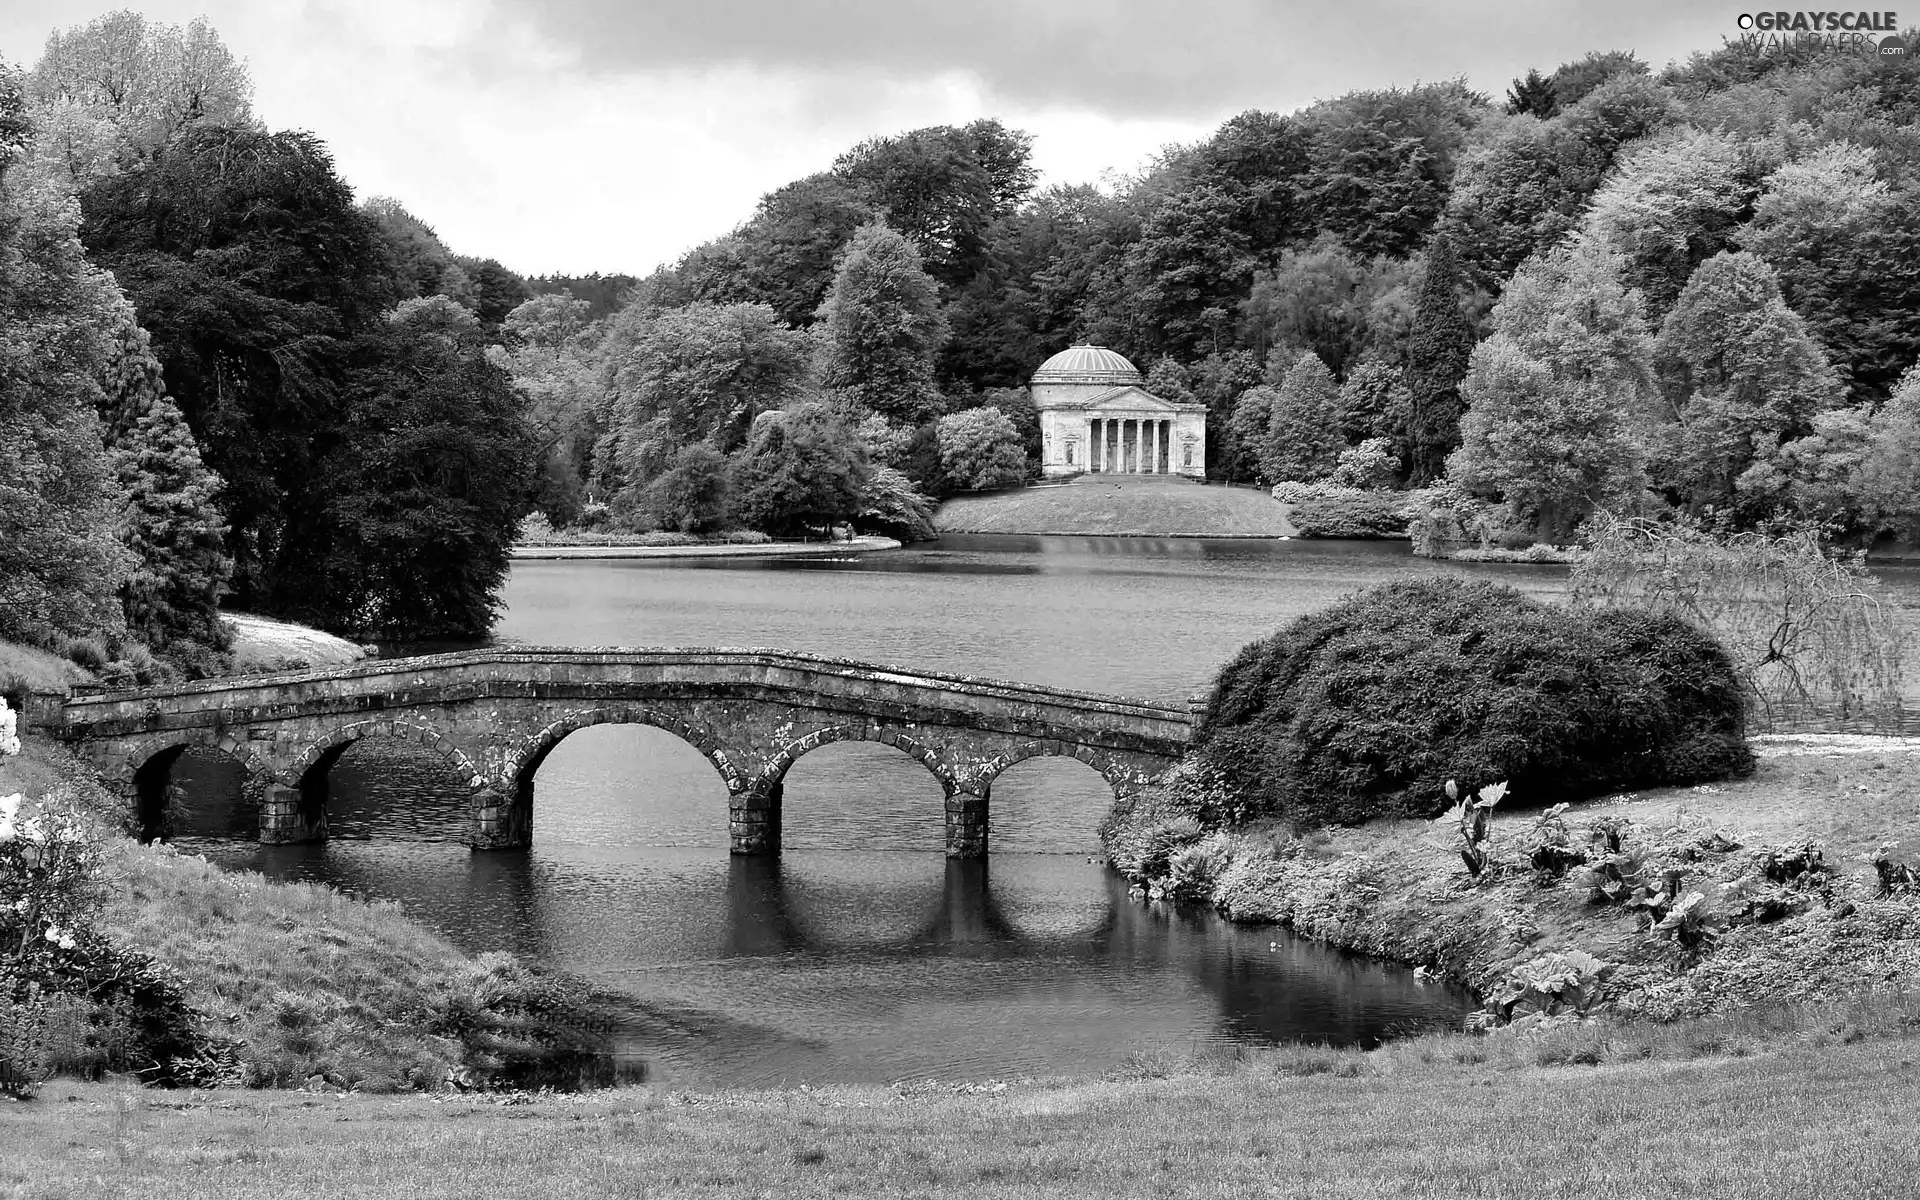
pixel 495 714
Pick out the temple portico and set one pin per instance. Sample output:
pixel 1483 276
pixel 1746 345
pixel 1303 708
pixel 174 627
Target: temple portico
pixel 1096 417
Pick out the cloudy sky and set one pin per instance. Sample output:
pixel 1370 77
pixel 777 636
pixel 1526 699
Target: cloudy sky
pixel 582 135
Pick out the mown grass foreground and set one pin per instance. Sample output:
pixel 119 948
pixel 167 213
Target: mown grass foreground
pixel 1832 1119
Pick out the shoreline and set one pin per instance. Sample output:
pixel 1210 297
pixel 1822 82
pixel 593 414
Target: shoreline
pixel 859 545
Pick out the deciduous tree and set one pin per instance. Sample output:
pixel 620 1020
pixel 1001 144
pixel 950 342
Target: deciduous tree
pixel 882 327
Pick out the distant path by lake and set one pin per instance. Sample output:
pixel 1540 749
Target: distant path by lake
pixel 859 545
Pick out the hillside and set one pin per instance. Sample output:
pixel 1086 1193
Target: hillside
pixel 1101 506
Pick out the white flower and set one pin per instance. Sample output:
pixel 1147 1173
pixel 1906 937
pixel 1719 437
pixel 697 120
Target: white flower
pixel 66 941
pixel 7 831
pixel 53 934
pixel 10 805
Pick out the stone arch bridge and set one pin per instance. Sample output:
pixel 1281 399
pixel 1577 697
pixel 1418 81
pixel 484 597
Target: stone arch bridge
pixel 495 714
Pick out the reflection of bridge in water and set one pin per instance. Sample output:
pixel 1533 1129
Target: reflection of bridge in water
pixel 494 715
pixel 1268 984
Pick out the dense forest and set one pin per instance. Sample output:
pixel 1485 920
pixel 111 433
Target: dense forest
pixel 1691 292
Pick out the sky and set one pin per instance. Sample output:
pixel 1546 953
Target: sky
pixel 573 136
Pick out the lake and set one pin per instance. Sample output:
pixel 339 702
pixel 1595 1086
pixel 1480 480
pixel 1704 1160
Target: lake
pixel 861 954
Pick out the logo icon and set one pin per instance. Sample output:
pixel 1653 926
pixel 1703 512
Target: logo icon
pixel 1891 47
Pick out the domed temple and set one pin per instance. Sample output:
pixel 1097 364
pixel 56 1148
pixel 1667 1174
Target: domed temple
pixel 1095 415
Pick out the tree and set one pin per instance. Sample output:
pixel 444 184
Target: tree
pixel 116 89
pixel 691 494
pixel 552 354
pixel 1838 236
pixel 496 290
pixel 424 487
pixel 254 272
pixel 168 517
pixel 1318 298
pixel 789 246
pixel 1256 160
pixel 700 373
pixel 421 261
pixel 1886 483
pixel 1517 192
pixel 60 565
pixel 1381 163
pixel 1673 202
pixel 1373 403
pixel 980 450
pixel 1573 81
pixel 881 327
pixel 1740 374
pixel 1532 96
pixel 893 507
pixel 943 187
pixel 1191 268
pixel 1303 428
pixel 801 471
pixel 1247 425
pixel 1551 395
pixel 1437 352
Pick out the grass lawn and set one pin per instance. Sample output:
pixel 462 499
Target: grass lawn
pixel 1134 508
pixel 263 644
pixel 1830 1120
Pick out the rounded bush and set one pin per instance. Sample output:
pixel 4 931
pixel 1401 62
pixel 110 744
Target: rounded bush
pixel 1367 708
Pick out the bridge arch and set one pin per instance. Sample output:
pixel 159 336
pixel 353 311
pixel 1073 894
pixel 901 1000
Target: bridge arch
pixel 148 768
pixel 524 759
pixel 911 745
pixel 325 751
pixel 1116 774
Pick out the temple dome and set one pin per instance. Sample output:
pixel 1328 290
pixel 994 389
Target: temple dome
pixel 1087 364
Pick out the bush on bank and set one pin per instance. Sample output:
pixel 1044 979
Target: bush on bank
pixel 1365 709
pixel 1355 515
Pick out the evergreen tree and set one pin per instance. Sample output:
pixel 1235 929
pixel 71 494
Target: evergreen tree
pixel 1437 352
pixel 1532 96
pixel 1373 403
pixel 882 328
pixel 1741 375
pixel 169 520
pixel 1553 392
pixel 1303 429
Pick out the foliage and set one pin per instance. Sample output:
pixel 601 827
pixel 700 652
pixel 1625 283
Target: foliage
pixel 1551 395
pixel 117 88
pixel 1564 982
pixel 1373 404
pixel 981 450
pixel 1812 638
pixel 168 519
pixel 1741 374
pixel 1303 423
pixel 1366 708
pixel 1885 482
pixel 881 327
pixel 253 270
pixel 892 506
pixel 424 485
pixel 1549 845
pixel 1474 817
pixel 1360 515
pixel 1319 298
pixel 1437 354
pixel 690 496
pixel 60 566
pixel 702 373
pixel 1369 466
pixel 801 470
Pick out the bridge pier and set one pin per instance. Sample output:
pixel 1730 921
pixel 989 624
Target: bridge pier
pixel 500 821
pixel 293 814
pixel 753 817
pixel 967 818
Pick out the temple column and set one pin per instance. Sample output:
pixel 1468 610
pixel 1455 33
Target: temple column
pixel 1162 430
pixel 1086 445
pixel 1093 444
pixel 1134 468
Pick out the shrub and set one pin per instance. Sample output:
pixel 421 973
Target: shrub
pixel 1367 708
pixel 1359 515
pixel 86 652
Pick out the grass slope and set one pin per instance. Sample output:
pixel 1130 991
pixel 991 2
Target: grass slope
pixel 264 644
pixel 1135 508
pixel 1446 1117
pixel 1398 889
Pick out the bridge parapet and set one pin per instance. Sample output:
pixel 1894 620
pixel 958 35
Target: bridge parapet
pixel 494 714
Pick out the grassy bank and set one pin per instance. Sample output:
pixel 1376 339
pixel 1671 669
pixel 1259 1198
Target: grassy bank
pixel 1398 889
pixel 1781 1115
pixel 1140 507
pixel 286 983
